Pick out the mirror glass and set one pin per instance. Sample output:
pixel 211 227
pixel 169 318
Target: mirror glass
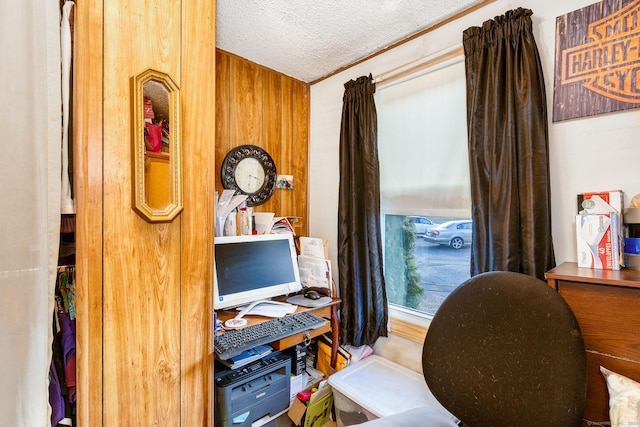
pixel 157 183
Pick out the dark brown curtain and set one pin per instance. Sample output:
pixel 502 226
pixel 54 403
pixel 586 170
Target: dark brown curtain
pixel 362 289
pixel 508 147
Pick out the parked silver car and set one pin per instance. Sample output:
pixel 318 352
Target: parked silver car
pixel 451 233
pixel 422 223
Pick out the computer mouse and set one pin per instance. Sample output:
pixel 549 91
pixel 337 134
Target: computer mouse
pixel 312 295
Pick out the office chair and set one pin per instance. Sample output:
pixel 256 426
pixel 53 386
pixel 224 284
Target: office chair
pixel 504 349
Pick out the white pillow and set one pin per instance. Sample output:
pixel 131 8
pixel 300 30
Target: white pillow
pixel 624 399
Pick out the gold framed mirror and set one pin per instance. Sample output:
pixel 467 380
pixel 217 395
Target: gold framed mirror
pixel 157 165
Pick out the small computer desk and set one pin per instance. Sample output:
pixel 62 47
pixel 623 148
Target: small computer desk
pixel 328 312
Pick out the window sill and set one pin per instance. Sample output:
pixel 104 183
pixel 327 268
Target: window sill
pixel 408 324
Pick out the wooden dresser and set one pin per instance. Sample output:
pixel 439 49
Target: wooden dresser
pixel 607 306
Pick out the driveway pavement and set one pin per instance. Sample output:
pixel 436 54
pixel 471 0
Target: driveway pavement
pixel 441 269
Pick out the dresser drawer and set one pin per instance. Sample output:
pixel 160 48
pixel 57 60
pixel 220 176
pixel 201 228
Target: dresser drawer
pixel 608 316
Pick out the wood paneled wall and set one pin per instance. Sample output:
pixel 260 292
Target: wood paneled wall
pixel 143 290
pixel 256 105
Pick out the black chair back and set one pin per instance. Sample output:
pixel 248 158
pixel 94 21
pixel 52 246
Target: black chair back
pixel 504 349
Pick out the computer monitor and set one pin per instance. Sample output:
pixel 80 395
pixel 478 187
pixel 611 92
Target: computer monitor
pixel 254 268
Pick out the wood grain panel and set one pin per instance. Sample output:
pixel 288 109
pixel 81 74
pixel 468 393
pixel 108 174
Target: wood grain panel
pixel 272 131
pixel 300 159
pixel 604 303
pixel 143 290
pixel 605 327
pixel 245 112
pixel 87 156
pixel 286 146
pixel 597 407
pixel 141 281
pixel 222 105
pixel 610 335
pixel 198 97
pixel 409 330
pixel 248 94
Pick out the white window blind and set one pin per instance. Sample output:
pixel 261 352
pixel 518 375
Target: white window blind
pixel 422 140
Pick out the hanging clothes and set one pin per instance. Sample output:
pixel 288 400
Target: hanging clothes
pixel 67 205
pixel 63 381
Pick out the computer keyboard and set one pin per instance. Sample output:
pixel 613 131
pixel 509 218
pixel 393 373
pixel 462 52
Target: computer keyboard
pixel 234 342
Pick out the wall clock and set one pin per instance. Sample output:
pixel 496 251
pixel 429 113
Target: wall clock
pixel 249 170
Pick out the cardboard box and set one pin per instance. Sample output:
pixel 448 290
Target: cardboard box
pixel 599 230
pixel 601 201
pixel 598 241
pixel 305 381
pixel 314 414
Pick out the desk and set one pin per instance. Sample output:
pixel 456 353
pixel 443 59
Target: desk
pixel 605 303
pixel 328 312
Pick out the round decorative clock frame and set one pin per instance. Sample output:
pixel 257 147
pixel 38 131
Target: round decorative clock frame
pixel 250 170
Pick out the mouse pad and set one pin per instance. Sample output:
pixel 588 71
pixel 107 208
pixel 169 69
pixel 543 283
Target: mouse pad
pixel 306 302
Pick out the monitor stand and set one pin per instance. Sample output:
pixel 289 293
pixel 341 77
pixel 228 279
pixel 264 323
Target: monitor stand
pixel 239 321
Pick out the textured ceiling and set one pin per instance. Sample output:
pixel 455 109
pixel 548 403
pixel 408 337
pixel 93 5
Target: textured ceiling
pixel 308 40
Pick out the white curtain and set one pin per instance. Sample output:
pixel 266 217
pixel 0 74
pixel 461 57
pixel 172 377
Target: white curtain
pixel 30 188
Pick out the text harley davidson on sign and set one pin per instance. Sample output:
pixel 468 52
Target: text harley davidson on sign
pixel 597 60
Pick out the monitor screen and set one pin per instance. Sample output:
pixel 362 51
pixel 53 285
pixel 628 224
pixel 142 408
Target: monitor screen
pixel 251 268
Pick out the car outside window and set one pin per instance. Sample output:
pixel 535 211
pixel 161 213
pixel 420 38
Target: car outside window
pixel 421 224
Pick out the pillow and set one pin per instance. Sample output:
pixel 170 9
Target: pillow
pixel 624 399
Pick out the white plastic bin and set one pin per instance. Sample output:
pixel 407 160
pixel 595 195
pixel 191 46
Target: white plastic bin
pixel 376 387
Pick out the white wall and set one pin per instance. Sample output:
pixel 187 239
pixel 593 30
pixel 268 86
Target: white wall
pixel 587 154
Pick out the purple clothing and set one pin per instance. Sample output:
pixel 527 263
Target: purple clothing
pixel 55 396
pixel 68 344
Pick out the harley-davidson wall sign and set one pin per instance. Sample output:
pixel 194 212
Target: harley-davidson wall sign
pixel 597 60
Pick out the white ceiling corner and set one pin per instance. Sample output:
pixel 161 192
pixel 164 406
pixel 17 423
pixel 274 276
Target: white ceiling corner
pixel 308 40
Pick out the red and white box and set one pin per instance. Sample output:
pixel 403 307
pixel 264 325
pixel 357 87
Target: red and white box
pixel 598 241
pixel 601 201
pixel 599 230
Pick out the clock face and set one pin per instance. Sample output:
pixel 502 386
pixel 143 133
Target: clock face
pixel 249 175
pixel 249 170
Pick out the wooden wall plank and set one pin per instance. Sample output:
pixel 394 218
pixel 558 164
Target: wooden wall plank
pixel 222 105
pixel 286 146
pixel 245 112
pixel 272 129
pixel 141 277
pixel 300 159
pixel 87 155
pixel 199 114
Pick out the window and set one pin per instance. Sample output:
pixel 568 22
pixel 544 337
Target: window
pixel 424 186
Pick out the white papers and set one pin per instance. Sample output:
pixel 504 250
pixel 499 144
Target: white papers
pixel 312 247
pixel 224 205
pixel 270 310
pixel 281 225
pixel 314 272
pixel 263 221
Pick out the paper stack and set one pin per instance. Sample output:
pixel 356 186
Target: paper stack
pixel 315 269
pixel 225 205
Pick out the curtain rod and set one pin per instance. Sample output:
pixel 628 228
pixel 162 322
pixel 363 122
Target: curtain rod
pixel 419 64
